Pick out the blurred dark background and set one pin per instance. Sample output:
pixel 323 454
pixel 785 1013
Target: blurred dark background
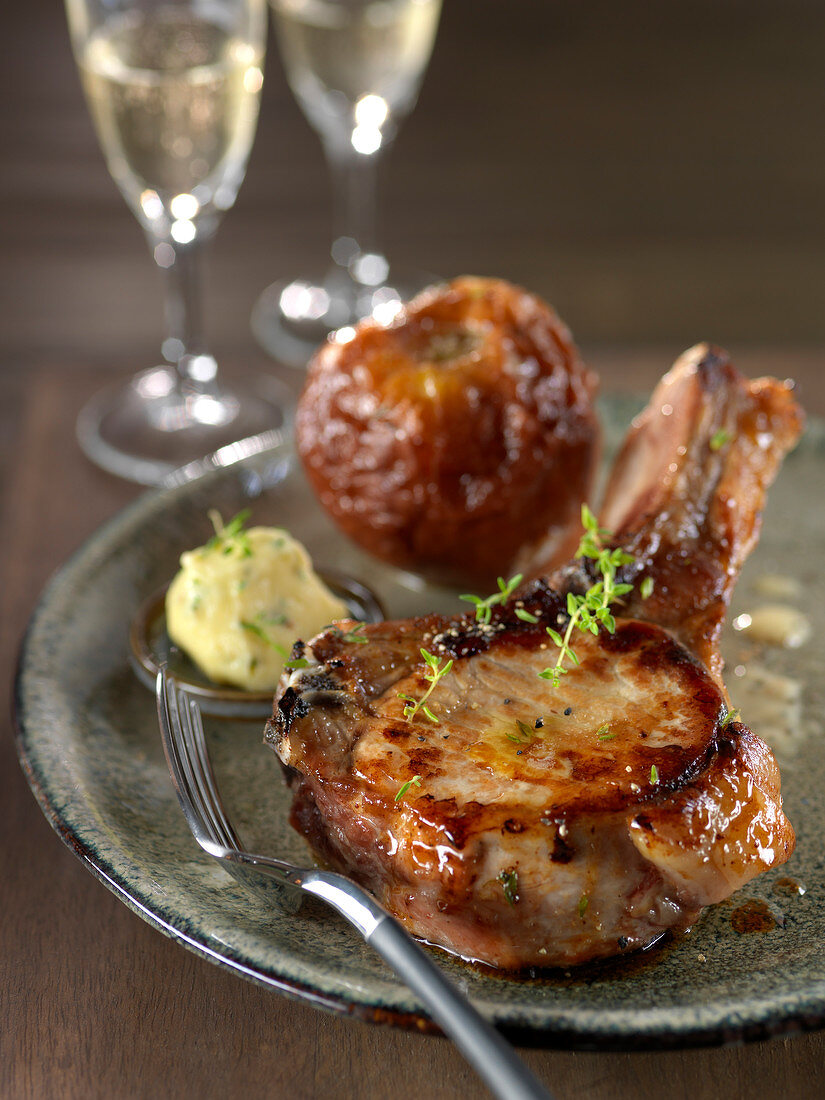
pixel 655 169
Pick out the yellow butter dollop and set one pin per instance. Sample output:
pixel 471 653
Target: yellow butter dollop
pixel 238 603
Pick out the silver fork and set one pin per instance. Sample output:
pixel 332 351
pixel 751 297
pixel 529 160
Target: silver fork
pixel 188 758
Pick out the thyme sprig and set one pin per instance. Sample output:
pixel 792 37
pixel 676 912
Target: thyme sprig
pixel 591 611
pixel 485 606
pixel 230 536
pixel 433 674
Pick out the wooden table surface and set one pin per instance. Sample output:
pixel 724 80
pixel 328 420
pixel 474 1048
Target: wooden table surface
pixel 658 176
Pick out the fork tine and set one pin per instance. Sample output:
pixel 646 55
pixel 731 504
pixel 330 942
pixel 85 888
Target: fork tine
pixel 182 732
pixel 205 776
pixel 192 766
pixel 179 760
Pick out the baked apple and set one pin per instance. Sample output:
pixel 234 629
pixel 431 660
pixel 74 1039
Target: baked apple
pixel 457 441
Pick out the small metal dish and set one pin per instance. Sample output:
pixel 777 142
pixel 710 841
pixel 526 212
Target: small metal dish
pixel 151 646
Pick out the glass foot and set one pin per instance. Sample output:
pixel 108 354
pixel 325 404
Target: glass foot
pixel 144 428
pixel 291 319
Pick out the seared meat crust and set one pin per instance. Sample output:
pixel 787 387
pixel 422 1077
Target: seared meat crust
pixel 567 808
pixel 535 825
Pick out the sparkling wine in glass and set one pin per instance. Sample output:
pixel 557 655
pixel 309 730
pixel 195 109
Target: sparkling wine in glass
pixel 355 68
pixel 173 87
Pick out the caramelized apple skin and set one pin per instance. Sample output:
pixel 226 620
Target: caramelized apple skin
pixel 460 440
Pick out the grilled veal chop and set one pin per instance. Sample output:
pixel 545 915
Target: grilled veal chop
pixel 539 825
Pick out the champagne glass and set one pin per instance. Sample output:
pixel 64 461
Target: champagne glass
pixel 173 87
pixel 355 68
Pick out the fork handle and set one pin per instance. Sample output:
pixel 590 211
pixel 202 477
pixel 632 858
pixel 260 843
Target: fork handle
pixel 484 1048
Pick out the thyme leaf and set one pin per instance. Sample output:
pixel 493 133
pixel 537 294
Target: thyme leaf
pixel 730 716
pixel 719 439
pixel 402 790
pixel 526 616
pixel 505 590
pixel 524 736
pixel 509 884
pixel 297 662
pixel 255 628
pixel 354 634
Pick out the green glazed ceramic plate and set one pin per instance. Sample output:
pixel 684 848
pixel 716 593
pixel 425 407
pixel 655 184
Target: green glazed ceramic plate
pixel 89 744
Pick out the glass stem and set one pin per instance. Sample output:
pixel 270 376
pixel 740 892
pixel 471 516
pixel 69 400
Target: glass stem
pixel 354 186
pixel 185 344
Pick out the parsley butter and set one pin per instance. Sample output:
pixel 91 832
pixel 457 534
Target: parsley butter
pixel 238 603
